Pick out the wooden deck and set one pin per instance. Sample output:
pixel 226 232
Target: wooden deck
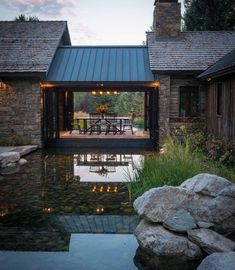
pixel 139 140
pixel 138 134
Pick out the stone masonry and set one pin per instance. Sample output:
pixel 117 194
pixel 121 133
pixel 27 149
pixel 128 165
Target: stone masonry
pixel 20 112
pixel 167 18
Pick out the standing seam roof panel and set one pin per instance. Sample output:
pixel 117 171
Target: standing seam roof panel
pixel 101 64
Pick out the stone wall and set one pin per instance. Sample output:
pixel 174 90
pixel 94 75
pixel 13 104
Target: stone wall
pixel 167 18
pixel 20 112
pixel 164 107
pixel 169 118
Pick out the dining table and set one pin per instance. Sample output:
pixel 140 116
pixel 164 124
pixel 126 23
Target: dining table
pixel 84 121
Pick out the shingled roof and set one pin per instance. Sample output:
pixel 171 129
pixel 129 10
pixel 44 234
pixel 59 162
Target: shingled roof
pixel 191 51
pixel 224 66
pixel 30 46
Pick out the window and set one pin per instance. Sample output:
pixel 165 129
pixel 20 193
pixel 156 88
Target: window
pixel 219 98
pixel 189 101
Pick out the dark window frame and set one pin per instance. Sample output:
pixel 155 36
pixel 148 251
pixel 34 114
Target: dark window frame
pixel 189 97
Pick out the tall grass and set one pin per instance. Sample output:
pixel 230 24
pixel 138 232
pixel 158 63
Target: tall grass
pixel 177 163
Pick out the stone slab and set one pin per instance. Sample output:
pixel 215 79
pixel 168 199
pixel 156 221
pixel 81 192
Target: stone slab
pixel 211 241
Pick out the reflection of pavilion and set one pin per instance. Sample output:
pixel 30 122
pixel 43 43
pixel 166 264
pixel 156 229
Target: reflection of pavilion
pixel 102 163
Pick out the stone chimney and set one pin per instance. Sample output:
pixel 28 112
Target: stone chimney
pixel 167 18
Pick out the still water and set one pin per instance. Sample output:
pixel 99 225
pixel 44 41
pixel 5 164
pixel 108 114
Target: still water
pixel 68 211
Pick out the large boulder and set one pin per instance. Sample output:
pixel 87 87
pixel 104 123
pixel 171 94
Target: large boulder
pixel 206 184
pixel 161 242
pixel 8 157
pixel 211 241
pixel 218 261
pixel 219 210
pixel 158 203
pixel 181 221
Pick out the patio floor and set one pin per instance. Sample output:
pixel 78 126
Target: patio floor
pixel 138 134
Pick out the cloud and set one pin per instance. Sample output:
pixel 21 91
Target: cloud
pixel 81 34
pixel 47 7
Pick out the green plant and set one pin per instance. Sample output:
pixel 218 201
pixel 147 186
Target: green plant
pixel 177 163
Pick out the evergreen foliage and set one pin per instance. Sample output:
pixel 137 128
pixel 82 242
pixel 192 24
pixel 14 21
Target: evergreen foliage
pixel 209 15
pixel 24 18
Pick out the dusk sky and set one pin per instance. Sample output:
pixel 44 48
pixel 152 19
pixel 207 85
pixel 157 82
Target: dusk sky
pixel 90 22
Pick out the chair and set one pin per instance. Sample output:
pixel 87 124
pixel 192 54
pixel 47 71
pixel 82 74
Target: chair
pixel 75 125
pixel 127 123
pixel 94 122
pixel 111 123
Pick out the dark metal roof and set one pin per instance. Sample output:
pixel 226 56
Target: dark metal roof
pixel 190 51
pixel 100 64
pixel 224 66
pixel 30 46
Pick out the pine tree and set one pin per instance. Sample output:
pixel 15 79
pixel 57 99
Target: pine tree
pixel 209 15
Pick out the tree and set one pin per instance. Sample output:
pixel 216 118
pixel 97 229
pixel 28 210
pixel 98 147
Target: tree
pixel 24 18
pixel 209 15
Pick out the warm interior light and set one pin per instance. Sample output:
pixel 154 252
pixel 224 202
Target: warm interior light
pixel 101 93
pixel 115 92
pixel 93 93
pixel 2 85
pixel 156 84
pixel 108 93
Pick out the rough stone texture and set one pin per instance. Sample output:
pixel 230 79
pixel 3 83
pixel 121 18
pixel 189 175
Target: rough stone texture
pixel 205 225
pixel 228 191
pixel 206 184
pixel 164 107
pixel 218 261
pixel 157 204
pixel 169 98
pixel 20 112
pixel 167 19
pixel 162 242
pixel 8 157
pixel 180 221
pixel 219 210
pixel 211 241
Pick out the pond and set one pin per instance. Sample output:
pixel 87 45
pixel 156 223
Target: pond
pixel 68 211
pixel 72 210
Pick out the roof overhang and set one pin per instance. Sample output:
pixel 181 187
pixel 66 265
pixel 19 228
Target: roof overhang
pixel 109 65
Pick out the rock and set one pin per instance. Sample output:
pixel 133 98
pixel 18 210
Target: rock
pixel 218 261
pixel 211 241
pixel 205 225
pixel 8 157
pixel 219 210
pixel 228 191
pixel 22 161
pixel 207 184
pixel 161 242
pixel 25 149
pixel 158 203
pixel 180 221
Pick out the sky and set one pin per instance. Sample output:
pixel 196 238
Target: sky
pixel 90 22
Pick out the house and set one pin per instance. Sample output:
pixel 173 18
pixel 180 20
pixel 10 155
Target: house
pixel 220 113
pixel 26 52
pixel 179 58
pixel 40 71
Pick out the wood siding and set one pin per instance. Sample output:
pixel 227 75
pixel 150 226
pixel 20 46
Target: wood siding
pixel 224 124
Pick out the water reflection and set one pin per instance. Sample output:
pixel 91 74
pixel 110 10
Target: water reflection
pixel 57 194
